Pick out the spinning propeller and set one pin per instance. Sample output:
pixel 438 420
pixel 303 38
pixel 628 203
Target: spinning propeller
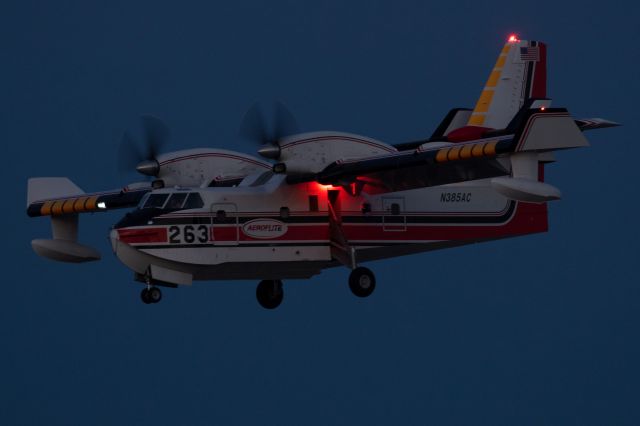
pixel 141 155
pixel 254 128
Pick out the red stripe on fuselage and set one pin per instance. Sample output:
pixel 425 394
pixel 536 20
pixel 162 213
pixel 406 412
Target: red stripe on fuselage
pixel 311 232
pixel 528 218
pixel 143 235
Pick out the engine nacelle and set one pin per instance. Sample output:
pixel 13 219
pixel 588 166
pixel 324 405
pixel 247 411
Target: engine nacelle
pixel 312 152
pixel 197 167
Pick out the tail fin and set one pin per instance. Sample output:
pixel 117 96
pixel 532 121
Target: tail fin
pixel 520 73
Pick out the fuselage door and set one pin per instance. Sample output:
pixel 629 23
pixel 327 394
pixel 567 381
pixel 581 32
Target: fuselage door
pixel 225 224
pixel 393 218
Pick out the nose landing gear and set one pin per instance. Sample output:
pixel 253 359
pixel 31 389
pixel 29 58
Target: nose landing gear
pixel 151 295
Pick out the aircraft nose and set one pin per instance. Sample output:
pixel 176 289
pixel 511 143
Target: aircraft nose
pixel 114 238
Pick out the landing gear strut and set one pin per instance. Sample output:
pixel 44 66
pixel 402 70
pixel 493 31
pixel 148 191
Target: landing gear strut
pixel 151 295
pixel 362 282
pixel 270 293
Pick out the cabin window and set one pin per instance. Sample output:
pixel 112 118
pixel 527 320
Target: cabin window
pixel 156 201
pixel 395 209
pixel 313 203
pixel 225 182
pixel 284 212
pixel 176 201
pixel 194 201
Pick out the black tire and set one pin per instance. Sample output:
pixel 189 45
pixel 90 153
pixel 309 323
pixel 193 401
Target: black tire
pixel 362 282
pixel 154 294
pixel 270 293
pixel 144 295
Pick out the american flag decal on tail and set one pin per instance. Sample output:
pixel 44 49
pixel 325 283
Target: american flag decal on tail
pixel 530 53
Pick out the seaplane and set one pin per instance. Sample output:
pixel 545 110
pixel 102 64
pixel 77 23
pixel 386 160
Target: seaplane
pixel 325 199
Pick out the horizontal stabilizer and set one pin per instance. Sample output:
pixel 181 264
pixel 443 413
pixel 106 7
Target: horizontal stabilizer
pixel 64 251
pixel 595 123
pixel 548 129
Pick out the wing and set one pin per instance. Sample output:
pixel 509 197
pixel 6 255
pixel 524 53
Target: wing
pixel 534 129
pixel 60 196
pixel 432 164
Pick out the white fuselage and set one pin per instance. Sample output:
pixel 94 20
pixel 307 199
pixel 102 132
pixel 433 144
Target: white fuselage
pixel 267 229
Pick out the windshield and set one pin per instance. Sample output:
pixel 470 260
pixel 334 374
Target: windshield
pixel 155 201
pixel 176 200
pixel 194 201
pixel 143 200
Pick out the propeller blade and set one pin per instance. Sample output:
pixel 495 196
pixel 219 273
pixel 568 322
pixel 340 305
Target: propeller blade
pixel 133 153
pixel 253 126
pixel 156 135
pixel 285 123
pixel 128 154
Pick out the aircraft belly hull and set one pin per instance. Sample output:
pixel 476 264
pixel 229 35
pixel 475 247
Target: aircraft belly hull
pixel 227 263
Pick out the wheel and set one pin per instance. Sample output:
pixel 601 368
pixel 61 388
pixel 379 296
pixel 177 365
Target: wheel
pixel 362 282
pixel 154 294
pixel 151 295
pixel 270 293
pixel 144 295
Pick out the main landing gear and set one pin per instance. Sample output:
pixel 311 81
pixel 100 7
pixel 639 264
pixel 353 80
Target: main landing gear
pixel 270 293
pixel 362 282
pixel 151 295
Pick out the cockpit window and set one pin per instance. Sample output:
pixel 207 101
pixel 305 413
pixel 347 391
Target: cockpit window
pixel 194 201
pixel 143 201
pixel 155 201
pixel 176 201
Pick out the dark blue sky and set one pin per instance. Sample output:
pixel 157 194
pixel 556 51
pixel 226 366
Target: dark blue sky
pixel 536 330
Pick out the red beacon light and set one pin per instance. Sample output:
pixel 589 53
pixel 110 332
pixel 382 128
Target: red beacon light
pixel 323 186
pixel 513 38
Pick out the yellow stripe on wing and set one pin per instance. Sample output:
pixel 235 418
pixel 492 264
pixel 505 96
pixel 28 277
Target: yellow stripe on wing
pixel 91 203
pixel 467 151
pixel 45 210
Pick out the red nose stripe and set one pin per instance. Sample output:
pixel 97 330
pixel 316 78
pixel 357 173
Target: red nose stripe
pixel 146 235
